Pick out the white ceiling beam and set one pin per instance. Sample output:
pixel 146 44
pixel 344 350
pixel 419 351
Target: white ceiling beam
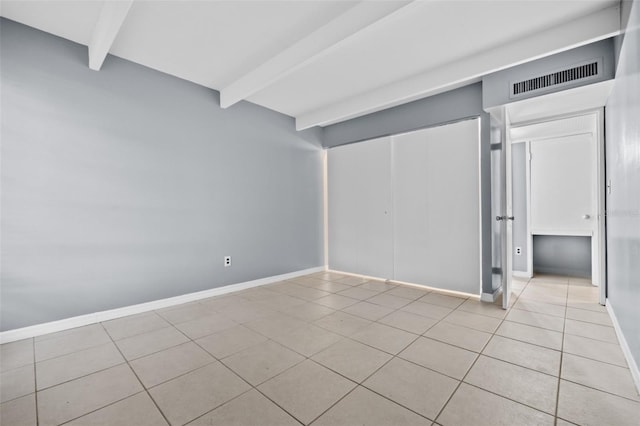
pixel 588 29
pixel 328 37
pixel 110 20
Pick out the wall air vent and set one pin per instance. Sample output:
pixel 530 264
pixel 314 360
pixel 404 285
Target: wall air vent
pixel 555 80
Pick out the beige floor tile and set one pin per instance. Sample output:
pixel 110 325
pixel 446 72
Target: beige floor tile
pixel 230 341
pixel 592 331
pixel 363 407
pixel 73 399
pixel 417 388
pixel 599 375
pixel 250 408
pixel 409 322
pixel 262 361
pixel 307 340
pixel 194 394
pixel 137 410
pixel 389 300
pixel 165 365
pixel 540 307
pixel 441 357
pixel 463 337
pixel 549 278
pixel 536 319
pixel 427 310
pixel 204 326
pixel 68 367
pixel 134 324
pixel 342 323
pixel 378 286
pixel 226 302
pixel 308 311
pixel 601 318
pixel 352 359
pixel 256 293
pixel 475 321
pixel 408 292
pixel 331 276
pixel 594 349
pixel 305 293
pixel 525 354
pixel 306 390
pixel 19 412
pixel 544 296
pixel 385 338
pixel 280 302
pixel 275 324
pixel 69 341
pixel 16 383
pixel 560 422
pixel 590 305
pixel 358 293
pixel 444 300
pixel 16 354
pixel 483 308
pixel 148 343
pixel 526 333
pixel 331 287
pixel 520 384
pixel 335 301
pixel 352 280
pixel 586 406
pixel 472 406
pixel 186 312
pixel 368 310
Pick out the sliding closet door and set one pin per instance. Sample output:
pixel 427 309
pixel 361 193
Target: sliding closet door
pixel 360 227
pixel 437 207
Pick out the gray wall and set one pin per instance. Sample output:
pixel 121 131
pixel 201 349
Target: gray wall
pixel 519 203
pixel 455 105
pixel 496 85
pixel 128 185
pixel 623 169
pixel 562 255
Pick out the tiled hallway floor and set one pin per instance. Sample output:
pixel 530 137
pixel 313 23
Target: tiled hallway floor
pixel 332 350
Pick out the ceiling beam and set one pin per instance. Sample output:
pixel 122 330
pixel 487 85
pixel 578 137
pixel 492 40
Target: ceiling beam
pixel 328 37
pixel 110 20
pixel 593 27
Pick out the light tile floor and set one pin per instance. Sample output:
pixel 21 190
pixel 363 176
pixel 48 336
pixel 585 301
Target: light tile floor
pixel 328 349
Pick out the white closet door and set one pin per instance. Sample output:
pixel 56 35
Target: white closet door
pixel 437 208
pixel 359 190
pixel 562 185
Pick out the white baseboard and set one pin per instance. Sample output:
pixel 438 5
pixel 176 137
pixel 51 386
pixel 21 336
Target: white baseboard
pixel 78 321
pixel 633 366
pixel 521 274
pixel 491 297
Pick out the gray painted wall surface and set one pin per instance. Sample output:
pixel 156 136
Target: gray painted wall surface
pixel 519 204
pixel 623 204
pixel 455 105
pixel 128 185
pixel 496 86
pixel 562 255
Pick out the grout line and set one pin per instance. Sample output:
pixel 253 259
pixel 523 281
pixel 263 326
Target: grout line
pixel 35 380
pixel 136 375
pixel 564 326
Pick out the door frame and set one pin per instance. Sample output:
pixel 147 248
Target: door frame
pixel 598 251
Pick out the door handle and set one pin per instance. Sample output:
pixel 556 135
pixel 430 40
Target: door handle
pixel 586 216
pixel 499 218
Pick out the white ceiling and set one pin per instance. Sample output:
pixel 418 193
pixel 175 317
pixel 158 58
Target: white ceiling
pixel 324 61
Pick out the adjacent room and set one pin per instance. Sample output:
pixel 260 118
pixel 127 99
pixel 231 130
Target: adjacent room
pixel 319 212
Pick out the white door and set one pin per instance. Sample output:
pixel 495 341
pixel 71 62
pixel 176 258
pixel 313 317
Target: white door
pixel 359 208
pixel 562 186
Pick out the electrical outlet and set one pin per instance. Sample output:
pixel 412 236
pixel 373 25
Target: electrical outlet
pixel 518 251
pixel 227 261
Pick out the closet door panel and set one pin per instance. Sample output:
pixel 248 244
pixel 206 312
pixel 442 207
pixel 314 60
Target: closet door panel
pixel 437 207
pixel 359 207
